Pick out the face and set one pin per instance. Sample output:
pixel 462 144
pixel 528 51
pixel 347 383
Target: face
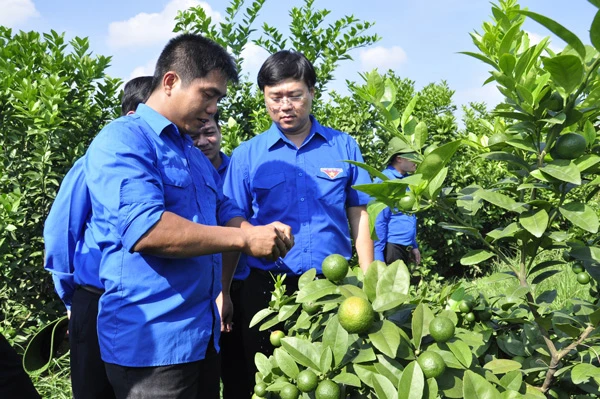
pixel 208 140
pixel 404 165
pixel 191 106
pixel 289 104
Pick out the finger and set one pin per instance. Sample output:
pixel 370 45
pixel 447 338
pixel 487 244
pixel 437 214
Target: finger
pixel 281 247
pixel 288 244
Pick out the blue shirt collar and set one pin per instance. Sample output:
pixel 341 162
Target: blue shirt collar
pixel 274 134
pixel 155 120
pixel 395 172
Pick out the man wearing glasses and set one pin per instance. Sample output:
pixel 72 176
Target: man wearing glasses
pixel 294 172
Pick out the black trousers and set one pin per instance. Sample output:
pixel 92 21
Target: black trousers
pixel 236 385
pixel 14 382
pixel 195 380
pixel 88 375
pixel 256 295
pixel 394 252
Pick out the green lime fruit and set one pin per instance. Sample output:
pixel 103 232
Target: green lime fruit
pixel 327 389
pixel 583 278
pixel 335 267
pixel 255 396
pixel 483 315
pixel 407 202
pixel 260 389
pixel 307 381
pixel 310 308
pixel 465 306
pixel 432 364
pixel 568 146
pixel 275 338
pixel 441 329
pixel 497 140
pixel 356 315
pixel 289 391
pixel 470 317
pixel 577 268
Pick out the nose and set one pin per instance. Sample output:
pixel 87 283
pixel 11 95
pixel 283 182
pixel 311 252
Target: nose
pixel 200 141
pixel 286 103
pixel 212 108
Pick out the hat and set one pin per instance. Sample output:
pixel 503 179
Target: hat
pixel 398 146
pixel 48 343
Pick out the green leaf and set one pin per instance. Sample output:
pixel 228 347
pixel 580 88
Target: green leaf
pixel 325 361
pixel 544 265
pixel 436 183
pixel 286 363
pixel 347 379
pixel 386 339
pixel 389 368
pixel 315 290
pixel 563 170
pixel 287 311
pixel 583 371
pixel 475 257
pixel 585 162
pixel 586 254
pixel 507 232
pixel 462 352
pixel 420 134
pixel 581 215
pixel 389 301
pixel 566 71
pixel 260 316
pixel 595 31
pixel 336 338
pixel 480 57
pixel 512 380
pixel 507 157
pixel 263 364
pixel 436 160
pixel 372 171
pixel 302 351
pixel 407 112
pixel 394 279
pixel 559 30
pixel 374 209
pixel 412 382
pixel 477 387
pixel 502 366
pixel 384 387
pixel 375 270
pixel 365 373
pixel 501 200
pixel 307 277
pixel 535 221
pixel 422 316
pixel 461 229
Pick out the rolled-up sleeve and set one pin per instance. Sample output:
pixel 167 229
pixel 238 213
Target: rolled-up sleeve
pixel 124 183
pixel 381 229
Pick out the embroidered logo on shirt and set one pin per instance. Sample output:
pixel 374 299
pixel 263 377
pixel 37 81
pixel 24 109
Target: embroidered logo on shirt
pixel 331 172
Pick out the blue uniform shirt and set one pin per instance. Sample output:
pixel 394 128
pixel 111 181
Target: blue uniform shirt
pixel 308 188
pixel 72 255
pixel 242 271
pixel 155 311
pixel 396 228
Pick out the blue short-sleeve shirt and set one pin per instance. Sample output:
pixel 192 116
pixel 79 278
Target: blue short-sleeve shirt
pixel 308 188
pixel 394 227
pixel 155 311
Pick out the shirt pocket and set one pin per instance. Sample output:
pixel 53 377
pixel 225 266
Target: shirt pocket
pixel 177 187
pixel 332 187
pixel 270 196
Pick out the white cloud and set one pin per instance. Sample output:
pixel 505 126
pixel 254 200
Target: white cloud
pixel 144 70
pixel 254 56
pixel 382 58
pixel 15 12
pixel 149 29
pixel 535 38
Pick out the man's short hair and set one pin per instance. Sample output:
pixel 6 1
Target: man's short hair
pixel 193 56
pixel 136 91
pixel 286 64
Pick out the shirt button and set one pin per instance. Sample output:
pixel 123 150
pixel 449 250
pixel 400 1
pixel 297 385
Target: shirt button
pixel 302 199
pixel 300 174
pixel 304 224
pixel 305 250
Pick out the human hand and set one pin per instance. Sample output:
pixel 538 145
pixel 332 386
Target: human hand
pixel 287 233
pixel 267 241
pixel 225 307
pixel 416 255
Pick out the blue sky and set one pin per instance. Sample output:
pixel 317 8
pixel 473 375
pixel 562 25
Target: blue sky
pixel 420 39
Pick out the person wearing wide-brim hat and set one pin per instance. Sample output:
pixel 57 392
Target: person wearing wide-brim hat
pixel 14 382
pixel 396 231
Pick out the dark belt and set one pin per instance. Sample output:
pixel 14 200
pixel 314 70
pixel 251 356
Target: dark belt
pixel 92 289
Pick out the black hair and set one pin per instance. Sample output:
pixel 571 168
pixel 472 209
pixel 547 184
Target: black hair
pixel 136 91
pixel 286 64
pixel 193 56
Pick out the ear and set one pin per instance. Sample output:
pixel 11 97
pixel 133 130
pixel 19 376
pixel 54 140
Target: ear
pixel 311 91
pixel 170 80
